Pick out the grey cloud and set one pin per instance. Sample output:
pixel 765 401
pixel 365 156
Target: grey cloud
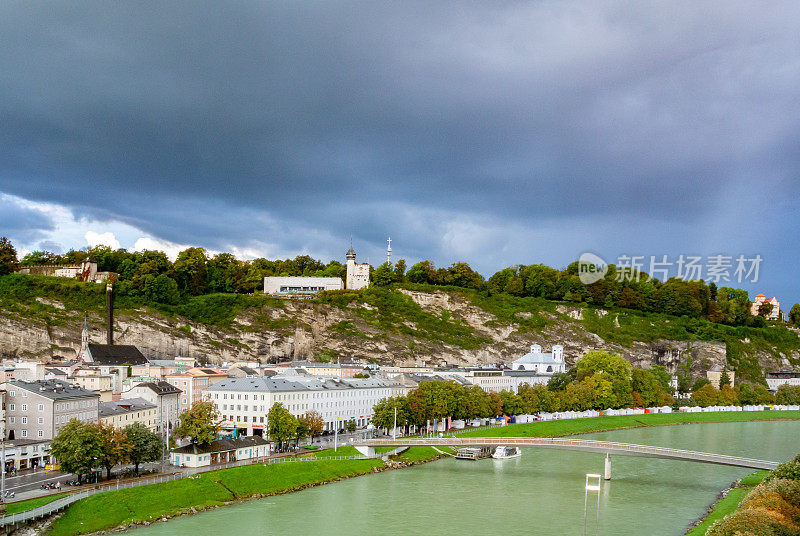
pixel 293 124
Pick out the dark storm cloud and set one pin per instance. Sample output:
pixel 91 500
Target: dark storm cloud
pixel 220 123
pixel 21 224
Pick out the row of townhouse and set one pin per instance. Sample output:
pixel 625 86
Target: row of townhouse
pixel 32 414
pixel 244 403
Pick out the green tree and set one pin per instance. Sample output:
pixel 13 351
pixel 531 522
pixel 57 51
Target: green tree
pixel 664 378
pixel 8 257
pixel 706 396
pixel 383 275
pixel 433 400
pixel 765 309
pixel 191 271
pixel 595 361
pixel 146 445
pixel 559 380
pixel 383 412
pixel 794 314
pixel 724 379
pixel 788 395
pixel 747 396
pixel 602 391
pixel 314 422
pixel 115 447
pixel 647 386
pixel 763 396
pixel 281 424
pixel 78 448
pixel 530 397
pixel 700 383
pixel 350 425
pixel 512 404
pixel 399 275
pixel 422 272
pixel 200 423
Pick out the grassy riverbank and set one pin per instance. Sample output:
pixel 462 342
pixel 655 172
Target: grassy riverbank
pixel 207 490
pixel 729 503
pixel 215 488
pixel 601 424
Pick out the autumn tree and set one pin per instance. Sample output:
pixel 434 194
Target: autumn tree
pixel 314 422
pixel 706 396
pixel 115 447
pixel 8 257
pixel 200 423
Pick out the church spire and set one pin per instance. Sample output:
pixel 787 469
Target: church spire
pixel 84 339
pixel 389 250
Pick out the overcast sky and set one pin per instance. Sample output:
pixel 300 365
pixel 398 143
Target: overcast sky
pixel 498 132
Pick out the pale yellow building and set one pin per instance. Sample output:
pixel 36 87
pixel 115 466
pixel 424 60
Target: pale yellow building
pixel 121 413
pixel 715 374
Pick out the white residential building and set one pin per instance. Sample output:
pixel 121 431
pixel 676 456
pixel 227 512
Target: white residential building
pixel 245 402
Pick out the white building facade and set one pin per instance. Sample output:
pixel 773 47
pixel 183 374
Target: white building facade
pixel 244 403
pixel 541 362
pixel 357 274
pixel 300 285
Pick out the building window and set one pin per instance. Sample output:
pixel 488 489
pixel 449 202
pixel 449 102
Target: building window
pixel 40 420
pixel 24 433
pixel 40 433
pixel 40 407
pixel 12 407
pixel 24 420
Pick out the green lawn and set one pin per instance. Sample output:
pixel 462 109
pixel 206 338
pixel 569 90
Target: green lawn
pixel 729 504
pixel 146 503
pixel 346 450
pixel 599 424
pixel 30 504
pixel 416 454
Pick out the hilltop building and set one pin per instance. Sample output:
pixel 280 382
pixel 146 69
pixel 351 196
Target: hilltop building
pixel 85 271
pixel 541 362
pixel 357 274
pixel 760 299
pixel 300 285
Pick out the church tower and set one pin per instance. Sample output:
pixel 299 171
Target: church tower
pixel 84 341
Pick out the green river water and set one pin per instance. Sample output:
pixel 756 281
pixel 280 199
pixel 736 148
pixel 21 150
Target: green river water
pixel 540 493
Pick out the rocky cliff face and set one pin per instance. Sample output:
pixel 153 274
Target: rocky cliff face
pixel 307 330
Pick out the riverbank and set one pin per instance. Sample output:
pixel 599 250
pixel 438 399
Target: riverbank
pixel 160 502
pixel 148 504
pixel 728 503
pixel 603 424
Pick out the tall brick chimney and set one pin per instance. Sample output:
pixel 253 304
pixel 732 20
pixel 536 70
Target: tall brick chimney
pixel 109 313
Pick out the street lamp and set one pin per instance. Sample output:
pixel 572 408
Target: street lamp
pixel 595 486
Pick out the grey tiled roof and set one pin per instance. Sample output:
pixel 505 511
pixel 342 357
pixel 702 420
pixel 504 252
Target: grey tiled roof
pixel 120 407
pixel 54 389
pixel 222 445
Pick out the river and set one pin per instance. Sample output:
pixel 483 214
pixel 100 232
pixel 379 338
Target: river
pixel 540 493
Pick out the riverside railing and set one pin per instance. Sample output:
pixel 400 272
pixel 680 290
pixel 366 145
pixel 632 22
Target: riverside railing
pixel 59 504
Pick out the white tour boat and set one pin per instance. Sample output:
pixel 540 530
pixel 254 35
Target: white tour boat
pixel 506 452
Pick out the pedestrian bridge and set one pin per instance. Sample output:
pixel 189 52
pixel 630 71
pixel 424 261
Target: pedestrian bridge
pixel 608 448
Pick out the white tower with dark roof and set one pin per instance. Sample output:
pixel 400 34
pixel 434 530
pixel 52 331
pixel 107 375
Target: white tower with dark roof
pixel 357 274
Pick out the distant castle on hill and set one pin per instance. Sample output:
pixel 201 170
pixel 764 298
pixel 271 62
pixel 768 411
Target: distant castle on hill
pixel 85 271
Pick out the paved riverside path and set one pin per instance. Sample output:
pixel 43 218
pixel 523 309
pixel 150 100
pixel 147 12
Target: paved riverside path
pixel 608 448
